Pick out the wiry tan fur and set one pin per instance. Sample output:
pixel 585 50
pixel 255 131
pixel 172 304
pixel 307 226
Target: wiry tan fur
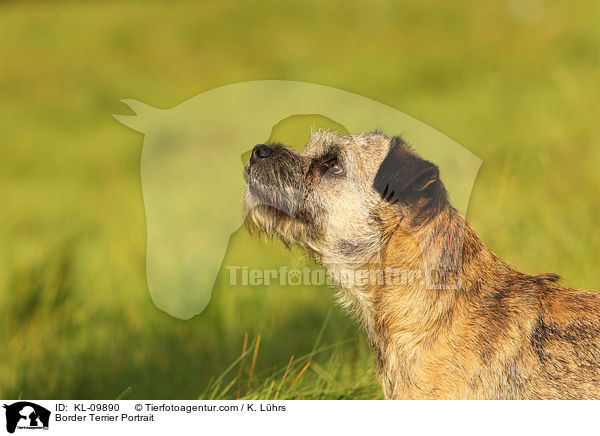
pixel 485 331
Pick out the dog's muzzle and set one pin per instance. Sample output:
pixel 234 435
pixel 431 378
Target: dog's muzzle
pixel 274 177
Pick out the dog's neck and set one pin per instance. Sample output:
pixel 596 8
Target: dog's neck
pixel 424 289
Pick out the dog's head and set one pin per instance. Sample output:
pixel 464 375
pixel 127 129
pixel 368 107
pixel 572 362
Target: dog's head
pixel 342 194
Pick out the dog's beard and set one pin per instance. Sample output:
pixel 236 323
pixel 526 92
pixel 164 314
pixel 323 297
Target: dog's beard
pixel 274 212
pixel 274 202
pixel 283 199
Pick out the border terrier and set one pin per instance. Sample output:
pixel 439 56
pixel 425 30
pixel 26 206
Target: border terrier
pixel 468 326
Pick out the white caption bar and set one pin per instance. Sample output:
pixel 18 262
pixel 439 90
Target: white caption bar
pixel 24 417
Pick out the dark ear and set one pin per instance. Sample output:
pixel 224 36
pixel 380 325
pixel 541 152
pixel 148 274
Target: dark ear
pixel 402 174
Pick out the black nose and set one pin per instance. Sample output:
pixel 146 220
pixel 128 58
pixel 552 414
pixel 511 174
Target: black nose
pixel 261 151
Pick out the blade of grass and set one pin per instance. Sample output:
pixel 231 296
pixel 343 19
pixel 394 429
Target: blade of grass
pixel 239 389
pixel 300 374
pixel 252 365
pixel 219 379
pixel 225 390
pixel 322 330
pixel 321 372
pixel 284 375
pixel 125 393
pixel 270 389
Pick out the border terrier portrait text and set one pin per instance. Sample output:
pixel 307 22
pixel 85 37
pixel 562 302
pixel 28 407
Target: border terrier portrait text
pixel 445 317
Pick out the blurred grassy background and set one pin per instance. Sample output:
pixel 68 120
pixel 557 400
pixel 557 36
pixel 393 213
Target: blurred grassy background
pixel 516 82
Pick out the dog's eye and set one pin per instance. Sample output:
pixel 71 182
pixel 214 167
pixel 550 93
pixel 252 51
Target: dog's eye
pixel 334 167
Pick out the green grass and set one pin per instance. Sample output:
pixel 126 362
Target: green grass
pixel 76 320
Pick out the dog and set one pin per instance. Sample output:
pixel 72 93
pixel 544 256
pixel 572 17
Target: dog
pixel 464 325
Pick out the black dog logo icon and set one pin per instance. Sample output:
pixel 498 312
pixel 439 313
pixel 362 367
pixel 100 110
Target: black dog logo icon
pixel 26 415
